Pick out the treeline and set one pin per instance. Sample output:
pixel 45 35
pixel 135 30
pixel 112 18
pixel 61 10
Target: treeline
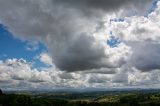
pixel 113 100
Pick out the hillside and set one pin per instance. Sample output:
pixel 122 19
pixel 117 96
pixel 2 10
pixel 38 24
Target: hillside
pixel 82 99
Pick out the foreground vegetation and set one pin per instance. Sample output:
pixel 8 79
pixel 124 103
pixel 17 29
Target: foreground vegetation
pixel 129 99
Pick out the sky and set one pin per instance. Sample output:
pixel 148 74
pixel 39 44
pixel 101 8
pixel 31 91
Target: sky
pixel 58 44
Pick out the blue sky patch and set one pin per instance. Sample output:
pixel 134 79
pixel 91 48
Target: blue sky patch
pixel 11 47
pixel 113 42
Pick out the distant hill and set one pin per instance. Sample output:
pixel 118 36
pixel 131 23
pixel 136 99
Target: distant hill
pixel 94 98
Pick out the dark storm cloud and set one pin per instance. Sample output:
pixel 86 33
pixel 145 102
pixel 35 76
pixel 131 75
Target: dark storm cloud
pixel 105 5
pixel 17 78
pixel 81 54
pixel 146 56
pixel 102 71
pixel 120 78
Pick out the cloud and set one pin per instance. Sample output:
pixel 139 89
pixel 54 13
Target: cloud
pixel 145 56
pixel 95 6
pixel 19 74
pixel 76 34
pixel 100 78
pixel 120 78
pixel 45 58
pixel 102 71
pixel 67 29
pixel 141 34
pixel 32 46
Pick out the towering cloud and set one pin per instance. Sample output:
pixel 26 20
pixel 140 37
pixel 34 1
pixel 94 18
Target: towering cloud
pixel 143 36
pixel 70 29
